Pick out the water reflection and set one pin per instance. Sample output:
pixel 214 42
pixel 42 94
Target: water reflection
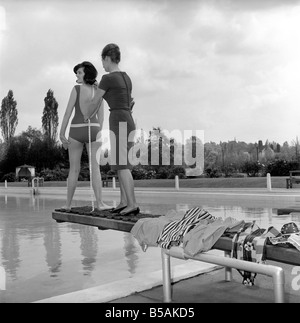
pixel 270 215
pixel 182 207
pixel 295 216
pixel 10 251
pixel 89 248
pixel 131 252
pixel 52 243
pixel 36 251
pixel 35 202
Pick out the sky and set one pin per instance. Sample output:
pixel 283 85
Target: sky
pixel 229 68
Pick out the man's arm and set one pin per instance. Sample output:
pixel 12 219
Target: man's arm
pixel 94 105
pixel 100 114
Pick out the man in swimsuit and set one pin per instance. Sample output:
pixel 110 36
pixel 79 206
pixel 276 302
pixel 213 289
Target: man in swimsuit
pixel 116 87
pixel 79 132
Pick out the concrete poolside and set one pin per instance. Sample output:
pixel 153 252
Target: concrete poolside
pixel 258 193
pixel 210 287
pixel 249 197
pixel 194 282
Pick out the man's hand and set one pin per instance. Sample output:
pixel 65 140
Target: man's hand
pixel 92 109
pixel 132 103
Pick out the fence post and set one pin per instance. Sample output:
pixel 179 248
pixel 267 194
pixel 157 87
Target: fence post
pixel 5 183
pixel 269 184
pixel 114 183
pixel 176 182
pixel 2 278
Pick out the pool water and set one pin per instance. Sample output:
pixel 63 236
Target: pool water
pixel 43 259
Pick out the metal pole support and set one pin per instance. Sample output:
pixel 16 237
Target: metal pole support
pixel 166 272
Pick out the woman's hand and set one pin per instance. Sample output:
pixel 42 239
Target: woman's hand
pixel 65 141
pixel 86 118
pixel 91 109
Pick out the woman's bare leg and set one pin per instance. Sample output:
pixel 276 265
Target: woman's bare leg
pixel 75 152
pixel 96 177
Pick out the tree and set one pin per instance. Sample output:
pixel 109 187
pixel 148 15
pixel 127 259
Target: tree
pixel 158 148
pixel 8 116
pixel 31 148
pixel 50 117
pixel 224 152
pixel 285 152
pixel 296 145
pixel 32 134
pixel 16 154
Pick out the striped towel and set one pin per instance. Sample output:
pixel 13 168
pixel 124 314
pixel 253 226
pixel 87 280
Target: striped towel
pixel 249 244
pixel 174 232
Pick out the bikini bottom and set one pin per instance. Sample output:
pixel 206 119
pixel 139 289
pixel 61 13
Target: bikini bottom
pixel 81 133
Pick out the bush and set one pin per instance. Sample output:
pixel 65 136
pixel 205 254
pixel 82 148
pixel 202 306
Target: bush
pixel 176 170
pixel 112 172
pixel 138 172
pixel 56 174
pixel 281 167
pixel 9 177
pixel 162 173
pixel 229 171
pixel 105 169
pixel 84 174
pixel 213 172
pixel 252 169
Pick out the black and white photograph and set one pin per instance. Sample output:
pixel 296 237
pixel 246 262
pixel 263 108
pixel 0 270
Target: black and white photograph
pixel 149 154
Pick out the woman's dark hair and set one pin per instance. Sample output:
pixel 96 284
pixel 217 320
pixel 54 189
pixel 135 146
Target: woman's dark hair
pixel 113 51
pixel 90 72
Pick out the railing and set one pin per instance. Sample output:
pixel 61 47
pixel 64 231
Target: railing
pixel 39 182
pixel 293 179
pixel 106 179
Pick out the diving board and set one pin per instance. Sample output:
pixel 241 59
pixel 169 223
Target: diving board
pixel 104 220
pixel 288 210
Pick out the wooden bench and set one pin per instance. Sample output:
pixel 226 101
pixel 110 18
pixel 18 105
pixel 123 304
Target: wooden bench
pixel 293 179
pixel 106 179
pixel 275 253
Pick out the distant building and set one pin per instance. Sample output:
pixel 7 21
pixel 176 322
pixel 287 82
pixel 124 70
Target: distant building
pixel 25 172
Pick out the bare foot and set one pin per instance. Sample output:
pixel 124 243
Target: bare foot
pixel 103 207
pixel 65 208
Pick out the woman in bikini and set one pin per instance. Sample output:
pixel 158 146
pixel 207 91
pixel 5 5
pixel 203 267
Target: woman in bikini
pixel 80 96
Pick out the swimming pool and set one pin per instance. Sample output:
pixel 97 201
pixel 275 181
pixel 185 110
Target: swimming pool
pixel 43 259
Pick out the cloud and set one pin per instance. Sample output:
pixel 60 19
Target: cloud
pixel 254 5
pixel 207 65
pixel 2 18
